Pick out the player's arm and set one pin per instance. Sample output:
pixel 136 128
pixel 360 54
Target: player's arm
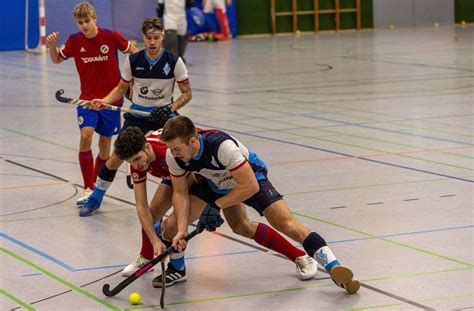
pixel 180 203
pixel 185 97
pixel 132 49
pixel 146 219
pixel 246 187
pixel 114 95
pixel 53 49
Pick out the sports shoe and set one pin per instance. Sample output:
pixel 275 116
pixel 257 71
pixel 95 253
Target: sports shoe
pixel 89 207
pixel 343 277
pixel 83 198
pixel 306 267
pixel 134 266
pixel 172 276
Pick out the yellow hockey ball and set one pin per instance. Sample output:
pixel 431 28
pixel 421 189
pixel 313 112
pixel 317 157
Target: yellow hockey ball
pixel 135 298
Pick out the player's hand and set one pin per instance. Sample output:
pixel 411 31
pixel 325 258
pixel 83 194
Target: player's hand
pixel 160 115
pixel 95 104
pixel 52 39
pixel 158 248
pixel 178 243
pixel 210 218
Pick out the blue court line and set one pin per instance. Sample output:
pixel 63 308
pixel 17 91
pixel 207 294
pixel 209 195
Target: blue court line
pixel 342 154
pixel 389 130
pixel 37 252
pixel 71 269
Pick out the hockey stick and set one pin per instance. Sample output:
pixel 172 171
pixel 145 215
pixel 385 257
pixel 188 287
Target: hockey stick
pixel 163 286
pixel 117 289
pixel 81 102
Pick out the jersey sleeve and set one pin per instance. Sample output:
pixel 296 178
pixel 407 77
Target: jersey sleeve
pixel 230 155
pixel 173 166
pixel 137 176
pixel 122 44
pixel 127 70
pixel 180 71
pixel 68 49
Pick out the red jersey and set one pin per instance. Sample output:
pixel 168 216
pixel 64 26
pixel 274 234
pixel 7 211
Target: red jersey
pixel 157 168
pixel 96 61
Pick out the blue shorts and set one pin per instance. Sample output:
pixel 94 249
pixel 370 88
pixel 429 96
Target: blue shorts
pixel 266 196
pixel 105 122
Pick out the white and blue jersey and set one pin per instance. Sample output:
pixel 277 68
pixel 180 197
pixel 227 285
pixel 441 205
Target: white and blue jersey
pixel 219 155
pixel 153 80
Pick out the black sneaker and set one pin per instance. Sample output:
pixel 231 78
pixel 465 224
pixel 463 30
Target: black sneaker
pixel 172 276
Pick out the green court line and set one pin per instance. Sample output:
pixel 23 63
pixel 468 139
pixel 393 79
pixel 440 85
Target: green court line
pixel 386 240
pixel 369 186
pixel 447 297
pixel 17 300
pixel 344 144
pixel 39 139
pixel 66 215
pixel 357 117
pixel 285 290
pixel 60 280
pixel 261 293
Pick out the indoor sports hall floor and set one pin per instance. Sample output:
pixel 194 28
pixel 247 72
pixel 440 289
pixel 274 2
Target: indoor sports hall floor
pixel 368 134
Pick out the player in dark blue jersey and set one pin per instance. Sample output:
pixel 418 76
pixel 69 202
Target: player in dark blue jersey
pixel 151 74
pixel 232 175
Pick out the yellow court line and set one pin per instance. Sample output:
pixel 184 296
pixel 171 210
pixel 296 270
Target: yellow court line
pixel 31 186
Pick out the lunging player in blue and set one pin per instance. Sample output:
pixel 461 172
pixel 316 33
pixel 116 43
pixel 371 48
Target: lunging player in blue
pixel 233 174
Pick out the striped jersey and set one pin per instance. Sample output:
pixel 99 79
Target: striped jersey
pixel 218 156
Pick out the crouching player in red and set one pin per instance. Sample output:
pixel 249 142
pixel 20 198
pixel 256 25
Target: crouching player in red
pixel 147 155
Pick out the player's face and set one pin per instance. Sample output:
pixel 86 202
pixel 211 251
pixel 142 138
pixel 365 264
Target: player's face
pixel 141 161
pixel 183 150
pixel 153 40
pixel 87 26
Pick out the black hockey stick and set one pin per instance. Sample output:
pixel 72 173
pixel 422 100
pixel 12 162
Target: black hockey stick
pixel 117 289
pixel 82 102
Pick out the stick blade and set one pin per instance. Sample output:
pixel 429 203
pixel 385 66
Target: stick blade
pixel 106 290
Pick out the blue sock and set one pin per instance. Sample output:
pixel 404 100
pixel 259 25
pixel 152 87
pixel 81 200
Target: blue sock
pixel 176 260
pixel 97 195
pixel 177 263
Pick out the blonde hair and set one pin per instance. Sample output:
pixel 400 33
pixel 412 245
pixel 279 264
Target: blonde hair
pixel 84 10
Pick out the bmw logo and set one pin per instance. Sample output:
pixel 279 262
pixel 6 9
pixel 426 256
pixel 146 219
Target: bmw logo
pixel 144 90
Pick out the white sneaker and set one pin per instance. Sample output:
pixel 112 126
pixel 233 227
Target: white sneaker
pixel 134 266
pixel 306 267
pixel 84 197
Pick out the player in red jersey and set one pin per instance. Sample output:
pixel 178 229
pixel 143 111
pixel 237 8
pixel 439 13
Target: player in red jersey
pixel 148 155
pixel 95 53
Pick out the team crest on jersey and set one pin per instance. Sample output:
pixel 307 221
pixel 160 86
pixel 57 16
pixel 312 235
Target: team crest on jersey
pixel 80 120
pixel 144 90
pixel 104 48
pixel 167 69
pixel 82 50
pixel 135 176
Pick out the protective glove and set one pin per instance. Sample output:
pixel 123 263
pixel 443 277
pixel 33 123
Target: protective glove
pixel 160 115
pixel 210 218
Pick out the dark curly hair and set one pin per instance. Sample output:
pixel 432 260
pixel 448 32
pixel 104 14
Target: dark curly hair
pixel 129 142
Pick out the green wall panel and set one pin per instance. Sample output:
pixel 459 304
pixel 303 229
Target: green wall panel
pixel 253 16
pixel 464 11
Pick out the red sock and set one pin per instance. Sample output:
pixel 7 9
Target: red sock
pixel 268 237
pixel 86 161
pixel 98 164
pixel 223 23
pixel 147 248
